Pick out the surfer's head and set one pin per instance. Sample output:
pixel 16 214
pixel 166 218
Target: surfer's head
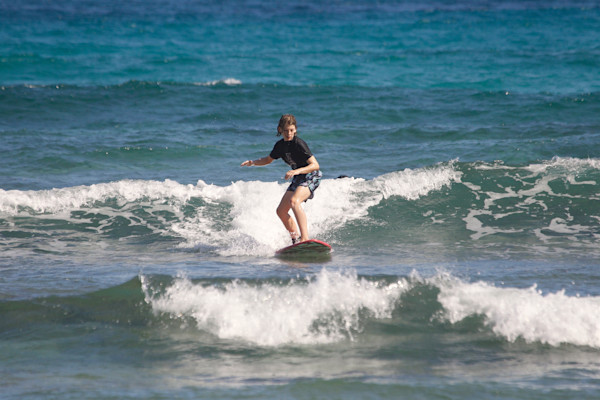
pixel 287 126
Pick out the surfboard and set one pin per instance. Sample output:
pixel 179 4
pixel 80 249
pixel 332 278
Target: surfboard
pixel 311 246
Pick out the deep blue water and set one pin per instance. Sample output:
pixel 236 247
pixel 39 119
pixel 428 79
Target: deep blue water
pixel 137 256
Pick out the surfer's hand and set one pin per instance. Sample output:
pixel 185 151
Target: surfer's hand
pixel 247 163
pixel 290 174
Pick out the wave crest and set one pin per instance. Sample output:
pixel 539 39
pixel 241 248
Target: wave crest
pixel 321 309
pixel 529 314
pixel 237 219
pixel 333 306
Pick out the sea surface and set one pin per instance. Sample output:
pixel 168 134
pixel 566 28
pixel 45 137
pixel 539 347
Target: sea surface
pixel 460 147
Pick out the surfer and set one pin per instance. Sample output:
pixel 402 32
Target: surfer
pixel 304 173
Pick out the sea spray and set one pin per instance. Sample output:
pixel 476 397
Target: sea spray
pixel 333 305
pixel 319 309
pixel 13 202
pixel 257 230
pixel 528 314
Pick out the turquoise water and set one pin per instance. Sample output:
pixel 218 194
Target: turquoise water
pixel 137 256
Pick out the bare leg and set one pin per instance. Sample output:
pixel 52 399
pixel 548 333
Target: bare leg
pixel 300 195
pixel 294 200
pixel 283 212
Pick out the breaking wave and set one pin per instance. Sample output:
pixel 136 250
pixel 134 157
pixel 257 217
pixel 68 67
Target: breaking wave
pixel 550 206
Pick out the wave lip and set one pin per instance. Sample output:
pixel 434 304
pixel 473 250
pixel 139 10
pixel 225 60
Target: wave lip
pixel 528 314
pixel 322 309
pixel 546 207
pixel 568 164
pixel 333 306
pixel 226 82
pixel 413 184
pixel 328 307
pixel 52 201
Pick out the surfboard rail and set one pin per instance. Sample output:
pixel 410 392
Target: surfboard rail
pixel 306 247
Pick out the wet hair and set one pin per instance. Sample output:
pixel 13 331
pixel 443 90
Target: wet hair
pixel 285 120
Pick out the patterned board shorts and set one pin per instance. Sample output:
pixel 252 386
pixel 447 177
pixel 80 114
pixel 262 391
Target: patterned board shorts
pixel 311 180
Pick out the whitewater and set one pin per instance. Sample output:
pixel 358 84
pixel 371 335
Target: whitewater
pixel 460 194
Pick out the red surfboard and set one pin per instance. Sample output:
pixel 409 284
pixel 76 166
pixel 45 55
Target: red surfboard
pixel 310 246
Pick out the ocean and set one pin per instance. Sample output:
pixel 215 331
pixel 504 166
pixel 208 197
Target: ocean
pixel 459 144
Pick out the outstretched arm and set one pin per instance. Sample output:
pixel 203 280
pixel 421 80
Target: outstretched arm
pixel 261 161
pixel 313 165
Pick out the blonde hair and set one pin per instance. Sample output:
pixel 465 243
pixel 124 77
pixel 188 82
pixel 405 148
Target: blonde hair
pixel 285 120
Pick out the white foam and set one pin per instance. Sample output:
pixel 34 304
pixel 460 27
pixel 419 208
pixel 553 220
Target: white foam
pixel 226 81
pixel 532 189
pixel 480 230
pixel 328 307
pixel 565 163
pixel 52 201
pixel 237 219
pixel 321 309
pixel 529 314
pixel 412 184
pixel 256 229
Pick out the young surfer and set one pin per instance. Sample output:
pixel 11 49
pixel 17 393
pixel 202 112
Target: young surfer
pixel 304 173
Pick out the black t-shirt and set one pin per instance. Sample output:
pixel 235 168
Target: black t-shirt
pixel 295 152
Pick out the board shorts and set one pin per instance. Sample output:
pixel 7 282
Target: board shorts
pixel 311 180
